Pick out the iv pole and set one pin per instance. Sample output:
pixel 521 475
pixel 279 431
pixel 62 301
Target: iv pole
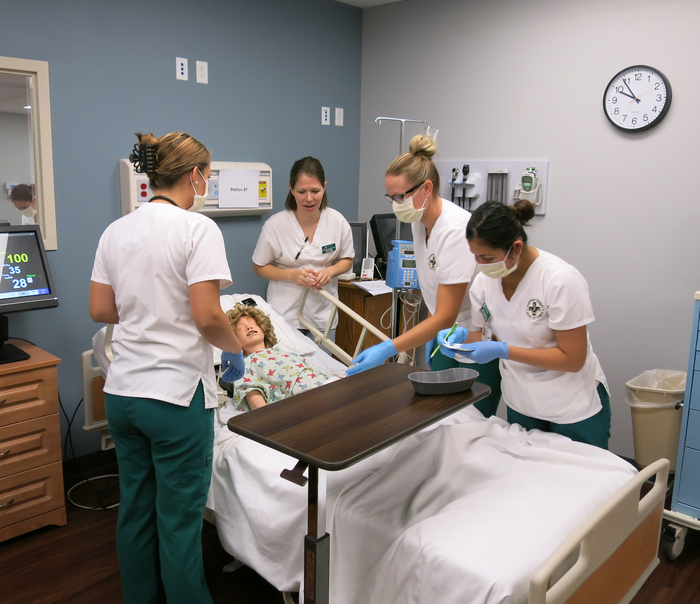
pixel 394 293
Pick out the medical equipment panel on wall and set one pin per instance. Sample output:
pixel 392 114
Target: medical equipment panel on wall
pixel 247 188
pixel 469 183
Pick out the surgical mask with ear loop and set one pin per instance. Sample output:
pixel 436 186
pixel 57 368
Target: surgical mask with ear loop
pixel 405 211
pixel 498 270
pixel 29 212
pixel 199 200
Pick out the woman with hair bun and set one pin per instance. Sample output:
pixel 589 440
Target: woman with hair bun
pixel 157 273
pixel 444 263
pixel 531 311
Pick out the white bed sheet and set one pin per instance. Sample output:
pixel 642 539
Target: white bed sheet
pixel 464 511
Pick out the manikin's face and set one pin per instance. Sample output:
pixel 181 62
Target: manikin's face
pixel 249 335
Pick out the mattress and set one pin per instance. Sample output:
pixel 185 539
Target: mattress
pixel 463 511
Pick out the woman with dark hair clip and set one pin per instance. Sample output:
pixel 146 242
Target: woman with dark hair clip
pixel 157 273
pixel 531 310
pixel 306 245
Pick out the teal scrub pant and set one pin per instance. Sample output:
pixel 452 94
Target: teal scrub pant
pixel 593 431
pixel 164 453
pixel 489 374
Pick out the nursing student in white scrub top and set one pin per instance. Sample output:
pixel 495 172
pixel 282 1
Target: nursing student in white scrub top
pixel 534 309
pixel 157 273
pixel 443 260
pixel 306 245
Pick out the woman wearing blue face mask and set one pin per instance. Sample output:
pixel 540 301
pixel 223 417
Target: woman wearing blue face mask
pixel 531 311
pixel 444 263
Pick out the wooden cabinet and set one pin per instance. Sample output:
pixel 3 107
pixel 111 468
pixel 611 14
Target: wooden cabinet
pixel 370 307
pixel 31 473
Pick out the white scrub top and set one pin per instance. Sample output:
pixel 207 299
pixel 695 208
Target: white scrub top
pixel 150 258
pixel 445 258
pixel 281 239
pixel 553 295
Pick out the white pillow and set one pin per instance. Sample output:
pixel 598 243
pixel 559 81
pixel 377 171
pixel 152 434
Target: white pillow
pixel 290 338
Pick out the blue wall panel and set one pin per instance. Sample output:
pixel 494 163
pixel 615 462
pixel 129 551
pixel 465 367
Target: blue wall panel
pixel 272 65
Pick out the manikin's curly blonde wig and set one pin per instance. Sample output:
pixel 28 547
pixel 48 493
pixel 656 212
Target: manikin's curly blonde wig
pixel 263 321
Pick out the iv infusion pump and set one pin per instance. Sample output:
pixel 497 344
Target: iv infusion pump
pixel 401 271
pixel 135 190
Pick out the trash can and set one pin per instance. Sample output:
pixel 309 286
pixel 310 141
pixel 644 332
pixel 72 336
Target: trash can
pixel 656 422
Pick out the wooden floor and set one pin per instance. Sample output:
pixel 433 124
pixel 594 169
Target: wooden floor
pixel 77 564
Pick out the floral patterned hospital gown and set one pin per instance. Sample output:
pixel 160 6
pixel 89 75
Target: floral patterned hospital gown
pixel 276 374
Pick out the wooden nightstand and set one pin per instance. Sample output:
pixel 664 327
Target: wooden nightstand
pixel 31 473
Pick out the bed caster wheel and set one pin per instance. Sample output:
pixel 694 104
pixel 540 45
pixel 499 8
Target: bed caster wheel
pixel 674 541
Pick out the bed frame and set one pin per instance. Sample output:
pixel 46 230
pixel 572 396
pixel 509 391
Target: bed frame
pixel 617 548
pixel 323 339
pixel 605 560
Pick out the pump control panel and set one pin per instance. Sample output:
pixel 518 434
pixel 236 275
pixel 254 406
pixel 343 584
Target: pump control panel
pixel 401 271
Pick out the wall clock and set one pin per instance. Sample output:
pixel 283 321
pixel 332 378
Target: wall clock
pixel 637 98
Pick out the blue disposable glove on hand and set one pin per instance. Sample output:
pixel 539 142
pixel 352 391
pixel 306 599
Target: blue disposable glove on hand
pixel 372 357
pixel 429 348
pixel 484 352
pixel 457 337
pixel 233 366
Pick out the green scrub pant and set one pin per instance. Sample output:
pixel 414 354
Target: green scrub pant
pixel 165 458
pixel 593 431
pixel 489 374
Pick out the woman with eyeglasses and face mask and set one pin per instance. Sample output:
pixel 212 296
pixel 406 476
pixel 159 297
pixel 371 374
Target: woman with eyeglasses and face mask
pixel 444 263
pixel 531 312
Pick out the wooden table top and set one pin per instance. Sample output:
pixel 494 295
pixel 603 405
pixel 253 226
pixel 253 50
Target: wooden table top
pixel 337 425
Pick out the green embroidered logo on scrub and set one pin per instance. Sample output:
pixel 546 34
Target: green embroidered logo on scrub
pixel 535 309
pixel 432 261
pixel 328 248
pixel 485 312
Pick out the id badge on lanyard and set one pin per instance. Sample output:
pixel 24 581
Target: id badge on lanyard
pixel 486 333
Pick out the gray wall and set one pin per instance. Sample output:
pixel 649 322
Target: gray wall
pixel 524 79
pixel 272 65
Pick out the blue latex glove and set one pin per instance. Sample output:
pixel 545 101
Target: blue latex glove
pixel 483 352
pixel 457 337
pixel 372 357
pixel 233 366
pixel 429 348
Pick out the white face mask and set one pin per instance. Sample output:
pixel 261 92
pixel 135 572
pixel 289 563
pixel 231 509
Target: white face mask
pixel 498 270
pixel 28 212
pixel 405 211
pixel 199 200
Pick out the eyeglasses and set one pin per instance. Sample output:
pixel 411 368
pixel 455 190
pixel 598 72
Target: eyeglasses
pixel 400 198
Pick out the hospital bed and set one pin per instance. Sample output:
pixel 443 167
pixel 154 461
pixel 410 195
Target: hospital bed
pixel 468 510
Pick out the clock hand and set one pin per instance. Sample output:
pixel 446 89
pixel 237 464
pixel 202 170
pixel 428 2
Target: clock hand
pixel 627 95
pixel 632 93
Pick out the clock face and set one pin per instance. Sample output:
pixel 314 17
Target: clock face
pixel 637 98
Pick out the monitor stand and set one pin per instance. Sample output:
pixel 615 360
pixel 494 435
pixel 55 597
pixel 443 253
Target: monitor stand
pixel 9 353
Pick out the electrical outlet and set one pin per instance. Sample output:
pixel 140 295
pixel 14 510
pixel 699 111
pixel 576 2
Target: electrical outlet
pixel 325 116
pixel 202 72
pixel 181 68
pixel 338 116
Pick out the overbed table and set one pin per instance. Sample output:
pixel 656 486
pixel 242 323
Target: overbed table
pixel 333 427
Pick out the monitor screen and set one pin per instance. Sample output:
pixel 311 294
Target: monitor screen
pixel 383 233
pixel 359 242
pixel 25 281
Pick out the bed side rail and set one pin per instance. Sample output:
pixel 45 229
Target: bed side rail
pixel 618 547
pixel 322 337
